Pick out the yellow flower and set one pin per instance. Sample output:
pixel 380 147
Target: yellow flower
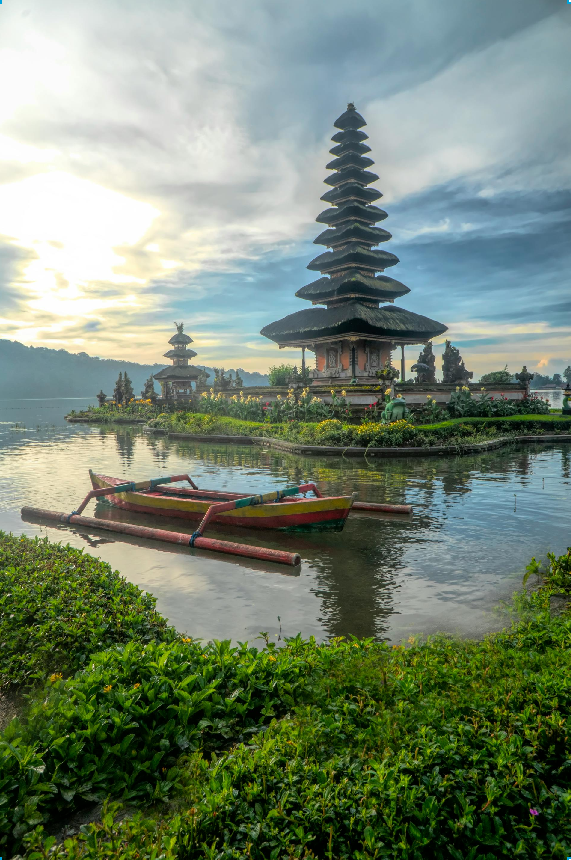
pixel 136 687
pixel 107 689
pixel 57 676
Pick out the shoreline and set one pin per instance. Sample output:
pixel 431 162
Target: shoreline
pixel 336 450
pixel 350 451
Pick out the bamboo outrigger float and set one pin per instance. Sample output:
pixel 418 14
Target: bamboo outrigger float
pixel 288 510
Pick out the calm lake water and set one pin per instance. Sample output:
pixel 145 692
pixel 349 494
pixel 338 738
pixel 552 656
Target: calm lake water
pixel 477 521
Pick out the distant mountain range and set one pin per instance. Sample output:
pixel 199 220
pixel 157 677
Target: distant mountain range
pixel 28 371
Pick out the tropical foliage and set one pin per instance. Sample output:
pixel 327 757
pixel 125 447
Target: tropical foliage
pixel 333 431
pixel 353 749
pixel 497 377
pixel 58 605
pixel 462 404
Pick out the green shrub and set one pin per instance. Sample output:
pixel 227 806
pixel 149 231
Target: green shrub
pixel 438 749
pixel 120 726
pixel 58 605
pixel 280 375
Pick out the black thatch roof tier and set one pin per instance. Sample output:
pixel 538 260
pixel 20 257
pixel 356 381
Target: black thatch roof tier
pixel 350 119
pixel 180 339
pixel 179 353
pixel 353 290
pixel 350 134
pixel 352 212
pixel 178 372
pixel 351 191
pixel 353 284
pixel 349 159
pixel 350 146
pixel 352 232
pixel 352 318
pixel 351 174
pixel 353 255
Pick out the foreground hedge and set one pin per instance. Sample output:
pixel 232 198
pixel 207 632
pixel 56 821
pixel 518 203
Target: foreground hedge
pixel 58 605
pixel 444 749
pixel 456 431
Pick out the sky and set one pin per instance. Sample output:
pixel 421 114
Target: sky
pixel 164 161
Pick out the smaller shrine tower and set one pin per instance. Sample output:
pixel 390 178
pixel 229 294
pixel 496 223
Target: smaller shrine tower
pixel 176 381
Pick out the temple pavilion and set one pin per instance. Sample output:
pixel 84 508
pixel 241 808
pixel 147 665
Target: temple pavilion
pixel 354 334
pixel 176 381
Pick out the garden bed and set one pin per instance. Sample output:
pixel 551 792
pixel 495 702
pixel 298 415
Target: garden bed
pixel 353 749
pixel 458 435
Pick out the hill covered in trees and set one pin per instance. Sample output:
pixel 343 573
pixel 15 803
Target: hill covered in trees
pixel 28 371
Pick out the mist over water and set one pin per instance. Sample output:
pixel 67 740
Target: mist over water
pixel 477 521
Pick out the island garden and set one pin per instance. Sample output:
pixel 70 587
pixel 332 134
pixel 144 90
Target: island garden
pixel 352 397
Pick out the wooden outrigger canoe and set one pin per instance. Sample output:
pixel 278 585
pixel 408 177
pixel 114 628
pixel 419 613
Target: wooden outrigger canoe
pixel 287 509
pixel 290 511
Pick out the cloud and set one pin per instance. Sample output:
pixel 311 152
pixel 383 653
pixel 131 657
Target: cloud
pixel 177 168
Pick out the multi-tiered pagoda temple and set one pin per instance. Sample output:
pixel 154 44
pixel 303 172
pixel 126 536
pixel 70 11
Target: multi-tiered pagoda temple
pixel 352 336
pixel 176 381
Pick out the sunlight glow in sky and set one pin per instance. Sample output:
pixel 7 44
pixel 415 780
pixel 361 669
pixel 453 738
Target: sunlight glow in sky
pixel 162 162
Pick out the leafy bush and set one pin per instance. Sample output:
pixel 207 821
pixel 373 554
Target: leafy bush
pixel 463 404
pixel 332 431
pixel 441 749
pixel 497 377
pixel 120 726
pixel 108 413
pixel 58 605
pixel 280 374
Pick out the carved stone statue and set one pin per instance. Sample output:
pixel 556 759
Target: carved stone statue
pixel 525 377
pixel 395 410
pixel 453 367
pixel 388 373
pixel 425 368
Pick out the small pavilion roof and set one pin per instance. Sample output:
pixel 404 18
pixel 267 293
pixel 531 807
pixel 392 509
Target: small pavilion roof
pixel 350 119
pixel 180 339
pixel 352 318
pixel 353 255
pixel 352 231
pixel 178 353
pixel 353 284
pixel 178 372
pixel 351 212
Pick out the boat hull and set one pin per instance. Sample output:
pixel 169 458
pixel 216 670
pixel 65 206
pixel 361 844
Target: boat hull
pixel 300 515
